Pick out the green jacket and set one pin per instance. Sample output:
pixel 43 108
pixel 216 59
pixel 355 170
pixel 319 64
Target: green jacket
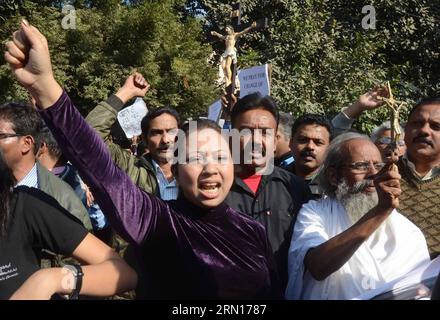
pixel 139 169
pixel 64 194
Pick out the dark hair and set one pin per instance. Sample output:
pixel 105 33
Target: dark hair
pixel 145 123
pixel 254 101
pixel 118 136
pixel 7 182
pixel 24 119
pixel 202 124
pixel 52 145
pixel 316 119
pixel 424 102
pixel 141 148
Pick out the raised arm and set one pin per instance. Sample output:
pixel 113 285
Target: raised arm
pixel 248 29
pixel 102 117
pixel 131 212
pixel 367 101
pixel 218 35
pixel 344 120
pixel 330 256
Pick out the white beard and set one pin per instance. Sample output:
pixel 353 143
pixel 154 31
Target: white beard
pixel 356 202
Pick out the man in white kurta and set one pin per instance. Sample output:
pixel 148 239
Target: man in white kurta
pixel 395 250
pixel 354 240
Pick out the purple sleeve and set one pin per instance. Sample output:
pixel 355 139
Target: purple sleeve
pixel 132 213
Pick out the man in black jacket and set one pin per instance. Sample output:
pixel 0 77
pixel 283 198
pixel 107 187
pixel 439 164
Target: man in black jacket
pixel 311 136
pixel 270 194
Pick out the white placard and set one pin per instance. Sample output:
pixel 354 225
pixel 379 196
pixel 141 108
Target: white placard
pixel 214 111
pixel 130 118
pixel 255 79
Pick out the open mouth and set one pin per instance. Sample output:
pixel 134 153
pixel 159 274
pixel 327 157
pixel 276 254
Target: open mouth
pixel 209 190
pixel 164 150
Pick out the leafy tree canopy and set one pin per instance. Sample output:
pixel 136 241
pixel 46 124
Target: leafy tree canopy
pixel 111 39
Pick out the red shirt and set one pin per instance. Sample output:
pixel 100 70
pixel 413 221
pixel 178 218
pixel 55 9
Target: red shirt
pixel 252 182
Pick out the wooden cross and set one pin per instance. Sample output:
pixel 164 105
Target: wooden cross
pixel 238 27
pixel 396 131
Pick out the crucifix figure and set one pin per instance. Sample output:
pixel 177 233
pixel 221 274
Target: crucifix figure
pixel 394 106
pixel 229 57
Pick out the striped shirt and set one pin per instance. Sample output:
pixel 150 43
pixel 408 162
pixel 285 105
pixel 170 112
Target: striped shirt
pixel 31 179
pixel 168 189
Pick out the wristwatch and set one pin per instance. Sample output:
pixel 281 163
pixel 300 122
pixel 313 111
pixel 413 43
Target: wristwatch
pixel 78 276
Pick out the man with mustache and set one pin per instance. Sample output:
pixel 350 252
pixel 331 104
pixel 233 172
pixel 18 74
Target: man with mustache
pixel 353 240
pixel 311 135
pixel 271 195
pixel 150 172
pixel 420 170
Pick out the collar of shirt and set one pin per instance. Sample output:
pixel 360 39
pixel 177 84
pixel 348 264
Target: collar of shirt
pixel 168 189
pixel 31 179
pixel 311 177
pixel 434 172
pixel 285 160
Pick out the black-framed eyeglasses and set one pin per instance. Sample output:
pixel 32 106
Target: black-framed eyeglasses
pixel 364 166
pixel 4 135
pixel 387 140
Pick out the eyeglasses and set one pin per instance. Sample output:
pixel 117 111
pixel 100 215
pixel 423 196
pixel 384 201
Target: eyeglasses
pixel 4 135
pixel 387 140
pixel 364 166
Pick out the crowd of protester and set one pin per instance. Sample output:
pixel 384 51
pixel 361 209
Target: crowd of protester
pixel 303 208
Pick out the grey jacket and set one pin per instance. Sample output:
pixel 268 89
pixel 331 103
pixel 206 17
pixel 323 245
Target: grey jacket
pixel 64 194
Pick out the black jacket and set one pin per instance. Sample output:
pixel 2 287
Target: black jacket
pixel 315 188
pixel 279 197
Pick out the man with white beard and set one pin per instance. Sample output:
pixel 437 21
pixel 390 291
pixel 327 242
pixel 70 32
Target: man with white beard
pixel 353 240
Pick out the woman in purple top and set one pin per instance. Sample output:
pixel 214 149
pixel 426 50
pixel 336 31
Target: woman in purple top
pixel 193 247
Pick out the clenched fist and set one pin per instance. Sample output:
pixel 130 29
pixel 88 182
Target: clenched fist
pixel 29 58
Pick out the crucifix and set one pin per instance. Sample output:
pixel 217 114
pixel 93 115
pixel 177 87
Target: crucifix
pixel 396 132
pixel 229 57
